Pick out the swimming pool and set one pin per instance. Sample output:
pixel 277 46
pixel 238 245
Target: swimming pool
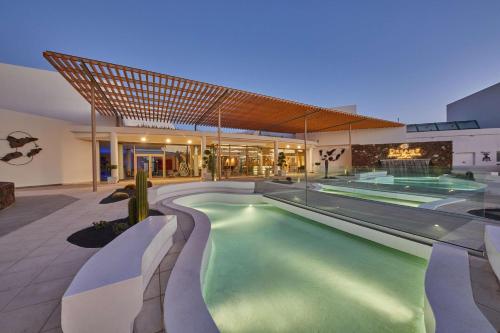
pixel 395 198
pixel 273 271
pixel 441 182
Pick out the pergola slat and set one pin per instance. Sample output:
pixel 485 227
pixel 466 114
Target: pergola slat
pixel 133 93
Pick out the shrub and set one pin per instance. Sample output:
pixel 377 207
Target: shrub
pixel 132 211
pixel 100 225
pixel 130 187
pixel 289 179
pixel 150 184
pixel 119 196
pixel 119 228
pixel 469 175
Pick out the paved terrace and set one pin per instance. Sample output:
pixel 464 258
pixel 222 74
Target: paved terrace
pixel 37 263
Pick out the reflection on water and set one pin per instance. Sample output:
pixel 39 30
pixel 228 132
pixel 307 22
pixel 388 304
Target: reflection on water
pixel 272 271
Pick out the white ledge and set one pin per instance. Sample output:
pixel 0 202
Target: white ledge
pixel 450 305
pixel 106 295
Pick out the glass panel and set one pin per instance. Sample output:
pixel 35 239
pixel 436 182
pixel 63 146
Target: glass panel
pixel 449 126
pixel 143 164
pixel 470 124
pixel 415 197
pixel 157 166
pixel 104 161
pixel 411 128
pixel 427 127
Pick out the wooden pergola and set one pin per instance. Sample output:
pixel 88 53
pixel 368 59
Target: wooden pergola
pixel 129 93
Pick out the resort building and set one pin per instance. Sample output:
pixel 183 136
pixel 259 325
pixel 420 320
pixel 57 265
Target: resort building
pixel 220 209
pixel 43 105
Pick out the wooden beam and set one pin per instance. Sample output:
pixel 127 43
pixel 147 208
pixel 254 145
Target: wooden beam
pixel 212 107
pixel 95 85
pixel 94 141
pixel 131 93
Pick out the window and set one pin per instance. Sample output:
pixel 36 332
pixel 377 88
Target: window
pixel 449 126
pixel 427 127
pixel 411 128
pixel 498 156
pixel 469 124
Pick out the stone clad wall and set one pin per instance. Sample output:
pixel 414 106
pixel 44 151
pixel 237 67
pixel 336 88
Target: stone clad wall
pixel 440 153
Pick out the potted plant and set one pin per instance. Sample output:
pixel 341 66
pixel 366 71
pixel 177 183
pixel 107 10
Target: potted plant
pixel 281 163
pixel 209 161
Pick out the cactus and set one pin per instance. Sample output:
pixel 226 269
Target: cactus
pixel 132 211
pixel 141 194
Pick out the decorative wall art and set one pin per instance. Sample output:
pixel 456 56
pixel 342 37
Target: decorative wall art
pixel 20 148
pixel 486 156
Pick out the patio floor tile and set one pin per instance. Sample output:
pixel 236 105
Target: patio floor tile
pixel 17 279
pixel 150 319
pixel 39 292
pixel 27 319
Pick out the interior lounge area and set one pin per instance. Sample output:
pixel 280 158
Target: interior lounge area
pixel 170 155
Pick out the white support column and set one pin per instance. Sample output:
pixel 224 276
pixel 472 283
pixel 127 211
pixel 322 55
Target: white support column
pixel 276 158
pixel 95 143
pixel 121 169
pixel 113 144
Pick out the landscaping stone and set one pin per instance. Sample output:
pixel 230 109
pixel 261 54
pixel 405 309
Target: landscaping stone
pixel 7 196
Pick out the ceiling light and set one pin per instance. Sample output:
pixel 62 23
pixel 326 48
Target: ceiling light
pixel 190 142
pixel 298 146
pixel 288 146
pixel 168 141
pixel 143 139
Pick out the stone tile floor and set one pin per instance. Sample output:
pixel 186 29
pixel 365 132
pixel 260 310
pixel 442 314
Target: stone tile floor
pixel 37 264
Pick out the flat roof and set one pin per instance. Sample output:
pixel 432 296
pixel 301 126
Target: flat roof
pixel 131 93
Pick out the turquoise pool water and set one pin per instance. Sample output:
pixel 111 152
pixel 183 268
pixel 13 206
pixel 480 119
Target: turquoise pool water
pixel 444 183
pixel 387 197
pixel 273 271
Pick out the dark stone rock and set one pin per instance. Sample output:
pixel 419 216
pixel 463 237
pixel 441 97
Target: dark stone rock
pixel 7 196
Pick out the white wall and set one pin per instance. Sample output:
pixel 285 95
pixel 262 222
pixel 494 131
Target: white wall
pixel 44 93
pixel 340 139
pixel 467 143
pixel 64 159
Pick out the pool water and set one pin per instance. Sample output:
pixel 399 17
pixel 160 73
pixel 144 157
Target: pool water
pixel 273 271
pixel 442 182
pixel 416 201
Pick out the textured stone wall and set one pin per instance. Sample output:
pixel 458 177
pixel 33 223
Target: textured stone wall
pixel 440 153
pixel 7 197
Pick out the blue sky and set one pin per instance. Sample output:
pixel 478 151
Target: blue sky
pixel 398 58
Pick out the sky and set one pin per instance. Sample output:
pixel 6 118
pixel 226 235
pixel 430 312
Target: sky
pixel 395 59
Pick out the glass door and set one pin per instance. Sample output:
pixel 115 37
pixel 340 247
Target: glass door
pixel 157 166
pixel 152 164
pixel 142 163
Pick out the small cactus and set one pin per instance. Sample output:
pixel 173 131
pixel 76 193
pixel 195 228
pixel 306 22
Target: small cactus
pixel 132 211
pixel 141 194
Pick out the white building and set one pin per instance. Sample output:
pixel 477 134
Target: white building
pixel 43 105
